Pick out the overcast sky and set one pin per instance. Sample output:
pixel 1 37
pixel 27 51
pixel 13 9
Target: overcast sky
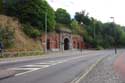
pixel 99 9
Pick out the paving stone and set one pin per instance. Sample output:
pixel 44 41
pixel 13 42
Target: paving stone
pixel 6 73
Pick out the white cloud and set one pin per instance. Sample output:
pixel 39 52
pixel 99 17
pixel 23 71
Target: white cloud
pixel 100 9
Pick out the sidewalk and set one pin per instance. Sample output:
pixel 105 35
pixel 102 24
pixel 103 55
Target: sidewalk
pixel 103 73
pixel 6 73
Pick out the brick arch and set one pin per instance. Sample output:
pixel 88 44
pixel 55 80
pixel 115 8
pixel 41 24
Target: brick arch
pixel 67 38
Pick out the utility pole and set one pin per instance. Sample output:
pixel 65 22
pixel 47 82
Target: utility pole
pixel 1 6
pixel 114 34
pixel 46 32
pixel 94 30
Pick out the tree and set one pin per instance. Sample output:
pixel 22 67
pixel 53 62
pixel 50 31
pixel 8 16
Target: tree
pixel 32 11
pixel 122 38
pixel 76 28
pixel 62 16
pixel 82 17
pixel 98 34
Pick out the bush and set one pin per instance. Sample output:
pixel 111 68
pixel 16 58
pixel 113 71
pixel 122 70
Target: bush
pixel 7 37
pixel 99 48
pixel 31 31
pixel 35 33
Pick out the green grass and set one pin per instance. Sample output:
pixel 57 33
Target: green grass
pixel 21 54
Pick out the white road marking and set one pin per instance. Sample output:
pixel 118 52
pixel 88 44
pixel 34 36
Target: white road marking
pixel 25 68
pixel 37 66
pixel 32 69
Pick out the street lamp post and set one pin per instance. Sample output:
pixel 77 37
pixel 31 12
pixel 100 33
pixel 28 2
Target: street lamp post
pixel 1 6
pixel 114 34
pixel 94 30
pixel 46 33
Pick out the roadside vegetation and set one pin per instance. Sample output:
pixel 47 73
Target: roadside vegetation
pixel 13 37
pixel 34 14
pixel 7 37
pixel 98 34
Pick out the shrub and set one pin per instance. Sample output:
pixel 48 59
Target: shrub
pixel 99 48
pixel 31 31
pixel 7 37
pixel 35 33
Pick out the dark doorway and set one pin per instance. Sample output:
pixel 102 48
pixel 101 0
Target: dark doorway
pixel 48 44
pixel 78 46
pixel 66 44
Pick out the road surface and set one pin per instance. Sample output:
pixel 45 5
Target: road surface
pixel 57 69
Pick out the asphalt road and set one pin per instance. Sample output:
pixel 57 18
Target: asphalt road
pixel 56 69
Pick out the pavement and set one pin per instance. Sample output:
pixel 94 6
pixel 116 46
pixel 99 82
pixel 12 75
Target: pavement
pixel 6 73
pixel 104 72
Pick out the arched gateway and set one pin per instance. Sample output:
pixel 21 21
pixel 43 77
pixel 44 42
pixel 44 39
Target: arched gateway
pixel 62 39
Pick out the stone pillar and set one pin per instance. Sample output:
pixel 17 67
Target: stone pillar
pixel 61 42
pixel 71 43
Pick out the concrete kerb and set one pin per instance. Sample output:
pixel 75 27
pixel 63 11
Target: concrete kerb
pixel 6 73
pixel 80 78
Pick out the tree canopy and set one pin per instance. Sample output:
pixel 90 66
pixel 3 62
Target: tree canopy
pixel 100 35
pixel 33 12
pixel 82 17
pixel 62 16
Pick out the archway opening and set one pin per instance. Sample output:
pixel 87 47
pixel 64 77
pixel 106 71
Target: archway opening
pixel 66 44
pixel 48 44
pixel 78 46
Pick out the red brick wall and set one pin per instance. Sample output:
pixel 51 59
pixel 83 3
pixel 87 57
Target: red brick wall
pixel 54 40
pixel 77 42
